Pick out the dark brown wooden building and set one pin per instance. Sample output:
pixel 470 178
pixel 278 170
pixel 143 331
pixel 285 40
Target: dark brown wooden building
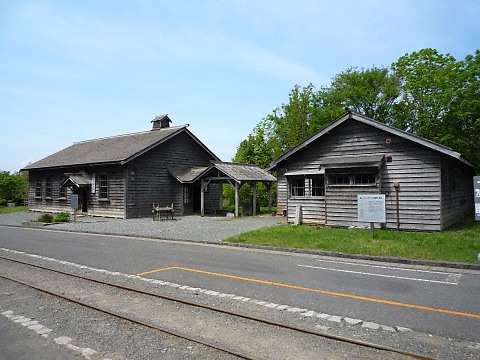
pixel 427 186
pixel 122 176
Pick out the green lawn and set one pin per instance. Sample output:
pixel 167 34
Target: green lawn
pixel 9 210
pixel 461 244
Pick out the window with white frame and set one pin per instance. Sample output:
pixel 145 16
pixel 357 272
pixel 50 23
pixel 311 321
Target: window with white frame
pixel 62 192
pixel 103 186
pixel 38 188
pixel 48 188
pixel 359 179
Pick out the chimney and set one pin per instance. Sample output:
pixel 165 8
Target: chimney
pixel 160 122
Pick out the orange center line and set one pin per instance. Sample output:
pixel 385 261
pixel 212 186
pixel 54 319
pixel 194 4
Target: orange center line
pixel 319 291
pixel 157 270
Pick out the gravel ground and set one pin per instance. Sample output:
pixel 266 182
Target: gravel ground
pixel 194 228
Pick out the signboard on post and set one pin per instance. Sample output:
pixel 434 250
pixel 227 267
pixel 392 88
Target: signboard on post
pixel 476 196
pixel 74 205
pixel 371 208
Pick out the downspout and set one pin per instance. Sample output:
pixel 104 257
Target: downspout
pixel 396 185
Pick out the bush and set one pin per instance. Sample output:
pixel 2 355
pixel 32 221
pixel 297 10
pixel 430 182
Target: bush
pixel 3 202
pixel 46 218
pixel 62 217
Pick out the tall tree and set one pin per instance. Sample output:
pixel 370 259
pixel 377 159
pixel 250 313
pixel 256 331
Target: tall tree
pixel 13 187
pixel 429 85
pixel 289 124
pixel 371 92
pixel 440 99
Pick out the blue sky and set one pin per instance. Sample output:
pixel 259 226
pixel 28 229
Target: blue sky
pixel 78 70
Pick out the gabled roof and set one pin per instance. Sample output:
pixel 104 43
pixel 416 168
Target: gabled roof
pixel 76 180
pixel 244 172
pixel 366 120
pixel 188 175
pixel 112 150
pixel 235 171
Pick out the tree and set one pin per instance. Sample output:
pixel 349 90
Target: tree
pixel 254 150
pixel 440 99
pixel 371 92
pixel 461 126
pixel 13 187
pixel 289 124
pixel 429 84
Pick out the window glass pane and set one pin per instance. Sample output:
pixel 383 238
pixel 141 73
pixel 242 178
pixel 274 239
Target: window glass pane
pixel 103 187
pixel 38 188
pixel 297 187
pixel 48 187
pixel 364 179
pixel 318 188
pixel 340 179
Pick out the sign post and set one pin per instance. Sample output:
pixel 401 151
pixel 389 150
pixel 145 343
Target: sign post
pixel 74 206
pixel 476 196
pixel 371 208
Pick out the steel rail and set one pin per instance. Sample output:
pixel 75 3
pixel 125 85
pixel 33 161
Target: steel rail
pixel 137 321
pixel 227 312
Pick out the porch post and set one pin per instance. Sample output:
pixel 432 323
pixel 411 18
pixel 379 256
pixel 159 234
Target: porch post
pixel 202 198
pixel 237 199
pixel 269 185
pixel 254 201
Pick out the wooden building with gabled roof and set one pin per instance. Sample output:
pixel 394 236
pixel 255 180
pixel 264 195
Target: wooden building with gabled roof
pixel 122 176
pixel 427 186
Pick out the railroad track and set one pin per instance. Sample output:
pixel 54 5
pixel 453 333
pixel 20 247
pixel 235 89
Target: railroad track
pixel 214 343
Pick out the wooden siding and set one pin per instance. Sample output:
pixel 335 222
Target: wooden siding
pixel 415 167
pixel 152 182
pixel 456 195
pixel 112 207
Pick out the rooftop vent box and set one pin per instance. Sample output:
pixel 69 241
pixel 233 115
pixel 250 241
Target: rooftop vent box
pixel 160 122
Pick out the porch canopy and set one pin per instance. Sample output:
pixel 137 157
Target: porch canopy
pixel 75 181
pixel 235 174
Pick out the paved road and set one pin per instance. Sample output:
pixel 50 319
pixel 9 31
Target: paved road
pixel 431 300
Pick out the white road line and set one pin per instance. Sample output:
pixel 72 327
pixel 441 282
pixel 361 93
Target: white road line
pixel 386 276
pixel 386 267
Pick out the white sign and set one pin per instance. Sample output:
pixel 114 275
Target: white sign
pixel 74 202
pixel 476 196
pixel 94 187
pixel 371 208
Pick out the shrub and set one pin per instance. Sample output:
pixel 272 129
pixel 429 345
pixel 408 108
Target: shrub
pixel 46 218
pixel 62 217
pixel 3 202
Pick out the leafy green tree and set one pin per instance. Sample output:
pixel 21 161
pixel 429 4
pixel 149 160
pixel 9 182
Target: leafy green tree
pixel 372 92
pixel 429 83
pixel 289 124
pixel 13 187
pixel 257 150
pixel 440 99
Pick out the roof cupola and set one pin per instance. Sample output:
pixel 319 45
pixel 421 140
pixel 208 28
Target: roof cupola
pixel 160 122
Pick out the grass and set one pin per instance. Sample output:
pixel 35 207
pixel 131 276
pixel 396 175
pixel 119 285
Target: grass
pixel 460 244
pixel 13 209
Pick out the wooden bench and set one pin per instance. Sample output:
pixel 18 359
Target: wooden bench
pixel 158 210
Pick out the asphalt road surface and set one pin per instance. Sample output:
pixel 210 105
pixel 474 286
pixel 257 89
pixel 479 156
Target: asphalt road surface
pixel 435 301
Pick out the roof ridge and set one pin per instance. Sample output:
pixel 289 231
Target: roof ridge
pixel 128 134
pixel 234 163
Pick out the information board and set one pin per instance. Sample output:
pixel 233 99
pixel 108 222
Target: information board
pixel 371 208
pixel 74 201
pixel 476 196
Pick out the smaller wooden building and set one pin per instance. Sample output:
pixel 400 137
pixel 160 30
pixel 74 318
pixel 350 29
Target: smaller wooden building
pixel 122 176
pixel 427 186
